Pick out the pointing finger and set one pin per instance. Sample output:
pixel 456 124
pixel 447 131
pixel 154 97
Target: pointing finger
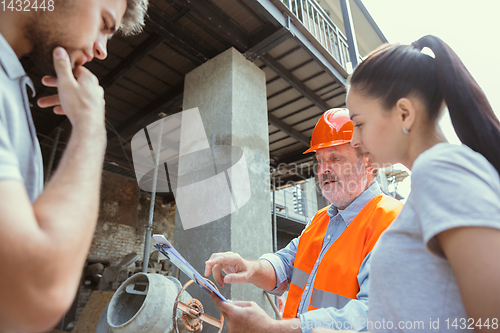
pixel 209 264
pixel 218 275
pixel 214 259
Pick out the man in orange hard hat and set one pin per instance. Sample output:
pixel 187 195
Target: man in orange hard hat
pixel 326 267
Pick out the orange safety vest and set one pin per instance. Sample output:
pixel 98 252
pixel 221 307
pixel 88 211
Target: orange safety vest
pixel 336 280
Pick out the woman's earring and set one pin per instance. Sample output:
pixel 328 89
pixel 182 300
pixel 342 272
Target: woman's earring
pixel 405 131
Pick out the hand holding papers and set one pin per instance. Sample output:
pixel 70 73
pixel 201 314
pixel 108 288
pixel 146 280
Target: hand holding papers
pixel 165 248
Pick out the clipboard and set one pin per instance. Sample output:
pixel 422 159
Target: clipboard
pixel 165 248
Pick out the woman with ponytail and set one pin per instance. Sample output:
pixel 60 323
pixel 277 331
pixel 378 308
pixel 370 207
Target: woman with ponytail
pixel 437 266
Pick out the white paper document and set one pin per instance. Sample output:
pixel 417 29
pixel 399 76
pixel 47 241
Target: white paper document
pixel 165 248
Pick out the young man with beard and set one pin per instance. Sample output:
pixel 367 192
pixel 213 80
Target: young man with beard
pixel 326 267
pixel 45 235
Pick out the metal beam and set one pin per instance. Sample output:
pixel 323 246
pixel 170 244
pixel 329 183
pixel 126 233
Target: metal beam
pixel 267 44
pixel 350 32
pixel 291 172
pixel 180 14
pixel 196 20
pixel 221 23
pixel 288 129
pixel 294 81
pixel 119 160
pixel 273 14
pixel 282 91
pixel 286 103
pixel 312 105
pixel 248 9
pixel 129 61
pixel 296 157
pixel 178 36
pixel 149 114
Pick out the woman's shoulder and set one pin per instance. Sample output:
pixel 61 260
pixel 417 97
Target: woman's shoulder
pixel 446 156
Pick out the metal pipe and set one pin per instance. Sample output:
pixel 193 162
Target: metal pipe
pixel 275 231
pixel 149 226
pixel 53 154
pixel 349 31
pixel 275 308
pixel 275 246
pixel 308 17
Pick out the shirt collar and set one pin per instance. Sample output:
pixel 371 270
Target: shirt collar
pixel 9 61
pixel 357 205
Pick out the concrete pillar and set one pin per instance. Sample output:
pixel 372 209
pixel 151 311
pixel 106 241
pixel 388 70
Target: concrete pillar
pixel 230 93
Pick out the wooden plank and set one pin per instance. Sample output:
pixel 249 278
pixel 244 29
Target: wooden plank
pixel 87 322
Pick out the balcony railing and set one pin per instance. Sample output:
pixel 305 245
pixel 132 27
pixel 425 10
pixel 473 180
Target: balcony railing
pixel 321 27
pixel 287 206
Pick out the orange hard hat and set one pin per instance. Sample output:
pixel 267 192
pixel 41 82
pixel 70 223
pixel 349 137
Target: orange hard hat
pixel 334 128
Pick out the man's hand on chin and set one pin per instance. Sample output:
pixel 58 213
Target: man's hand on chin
pixel 243 316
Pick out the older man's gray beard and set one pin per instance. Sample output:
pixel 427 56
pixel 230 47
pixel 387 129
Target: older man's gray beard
pixel 343 193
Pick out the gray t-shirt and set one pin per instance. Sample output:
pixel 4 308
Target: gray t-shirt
pixel 20 155
pixel 412 285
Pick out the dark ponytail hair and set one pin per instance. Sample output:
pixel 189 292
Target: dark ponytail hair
pixel 396 71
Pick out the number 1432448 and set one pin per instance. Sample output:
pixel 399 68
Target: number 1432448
pixel 27 5
pixel 470 323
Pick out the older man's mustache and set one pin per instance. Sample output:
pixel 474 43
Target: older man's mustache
pixel 328 177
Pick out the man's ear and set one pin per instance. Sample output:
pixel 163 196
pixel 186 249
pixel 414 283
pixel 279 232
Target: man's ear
pixel 406 112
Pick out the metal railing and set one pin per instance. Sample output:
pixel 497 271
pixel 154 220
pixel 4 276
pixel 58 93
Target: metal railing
pixel 321 26
pixel 286 206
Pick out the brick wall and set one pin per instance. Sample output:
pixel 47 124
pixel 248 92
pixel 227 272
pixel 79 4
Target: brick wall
pixel 124 210
pixel 112 241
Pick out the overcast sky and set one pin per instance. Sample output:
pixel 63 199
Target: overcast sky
pixel 471 28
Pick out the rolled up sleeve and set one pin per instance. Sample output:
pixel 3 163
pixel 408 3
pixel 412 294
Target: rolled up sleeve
pixel 282 262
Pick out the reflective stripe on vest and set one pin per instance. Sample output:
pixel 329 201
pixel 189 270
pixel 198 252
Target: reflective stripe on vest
pixel 324 299
pixel 335 282
pixel 299 277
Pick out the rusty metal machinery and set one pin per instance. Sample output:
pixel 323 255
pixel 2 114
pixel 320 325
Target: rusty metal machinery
pixel 193 314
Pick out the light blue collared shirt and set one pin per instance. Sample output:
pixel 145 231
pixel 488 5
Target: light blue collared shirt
pixel 20 154
pixel 355 312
